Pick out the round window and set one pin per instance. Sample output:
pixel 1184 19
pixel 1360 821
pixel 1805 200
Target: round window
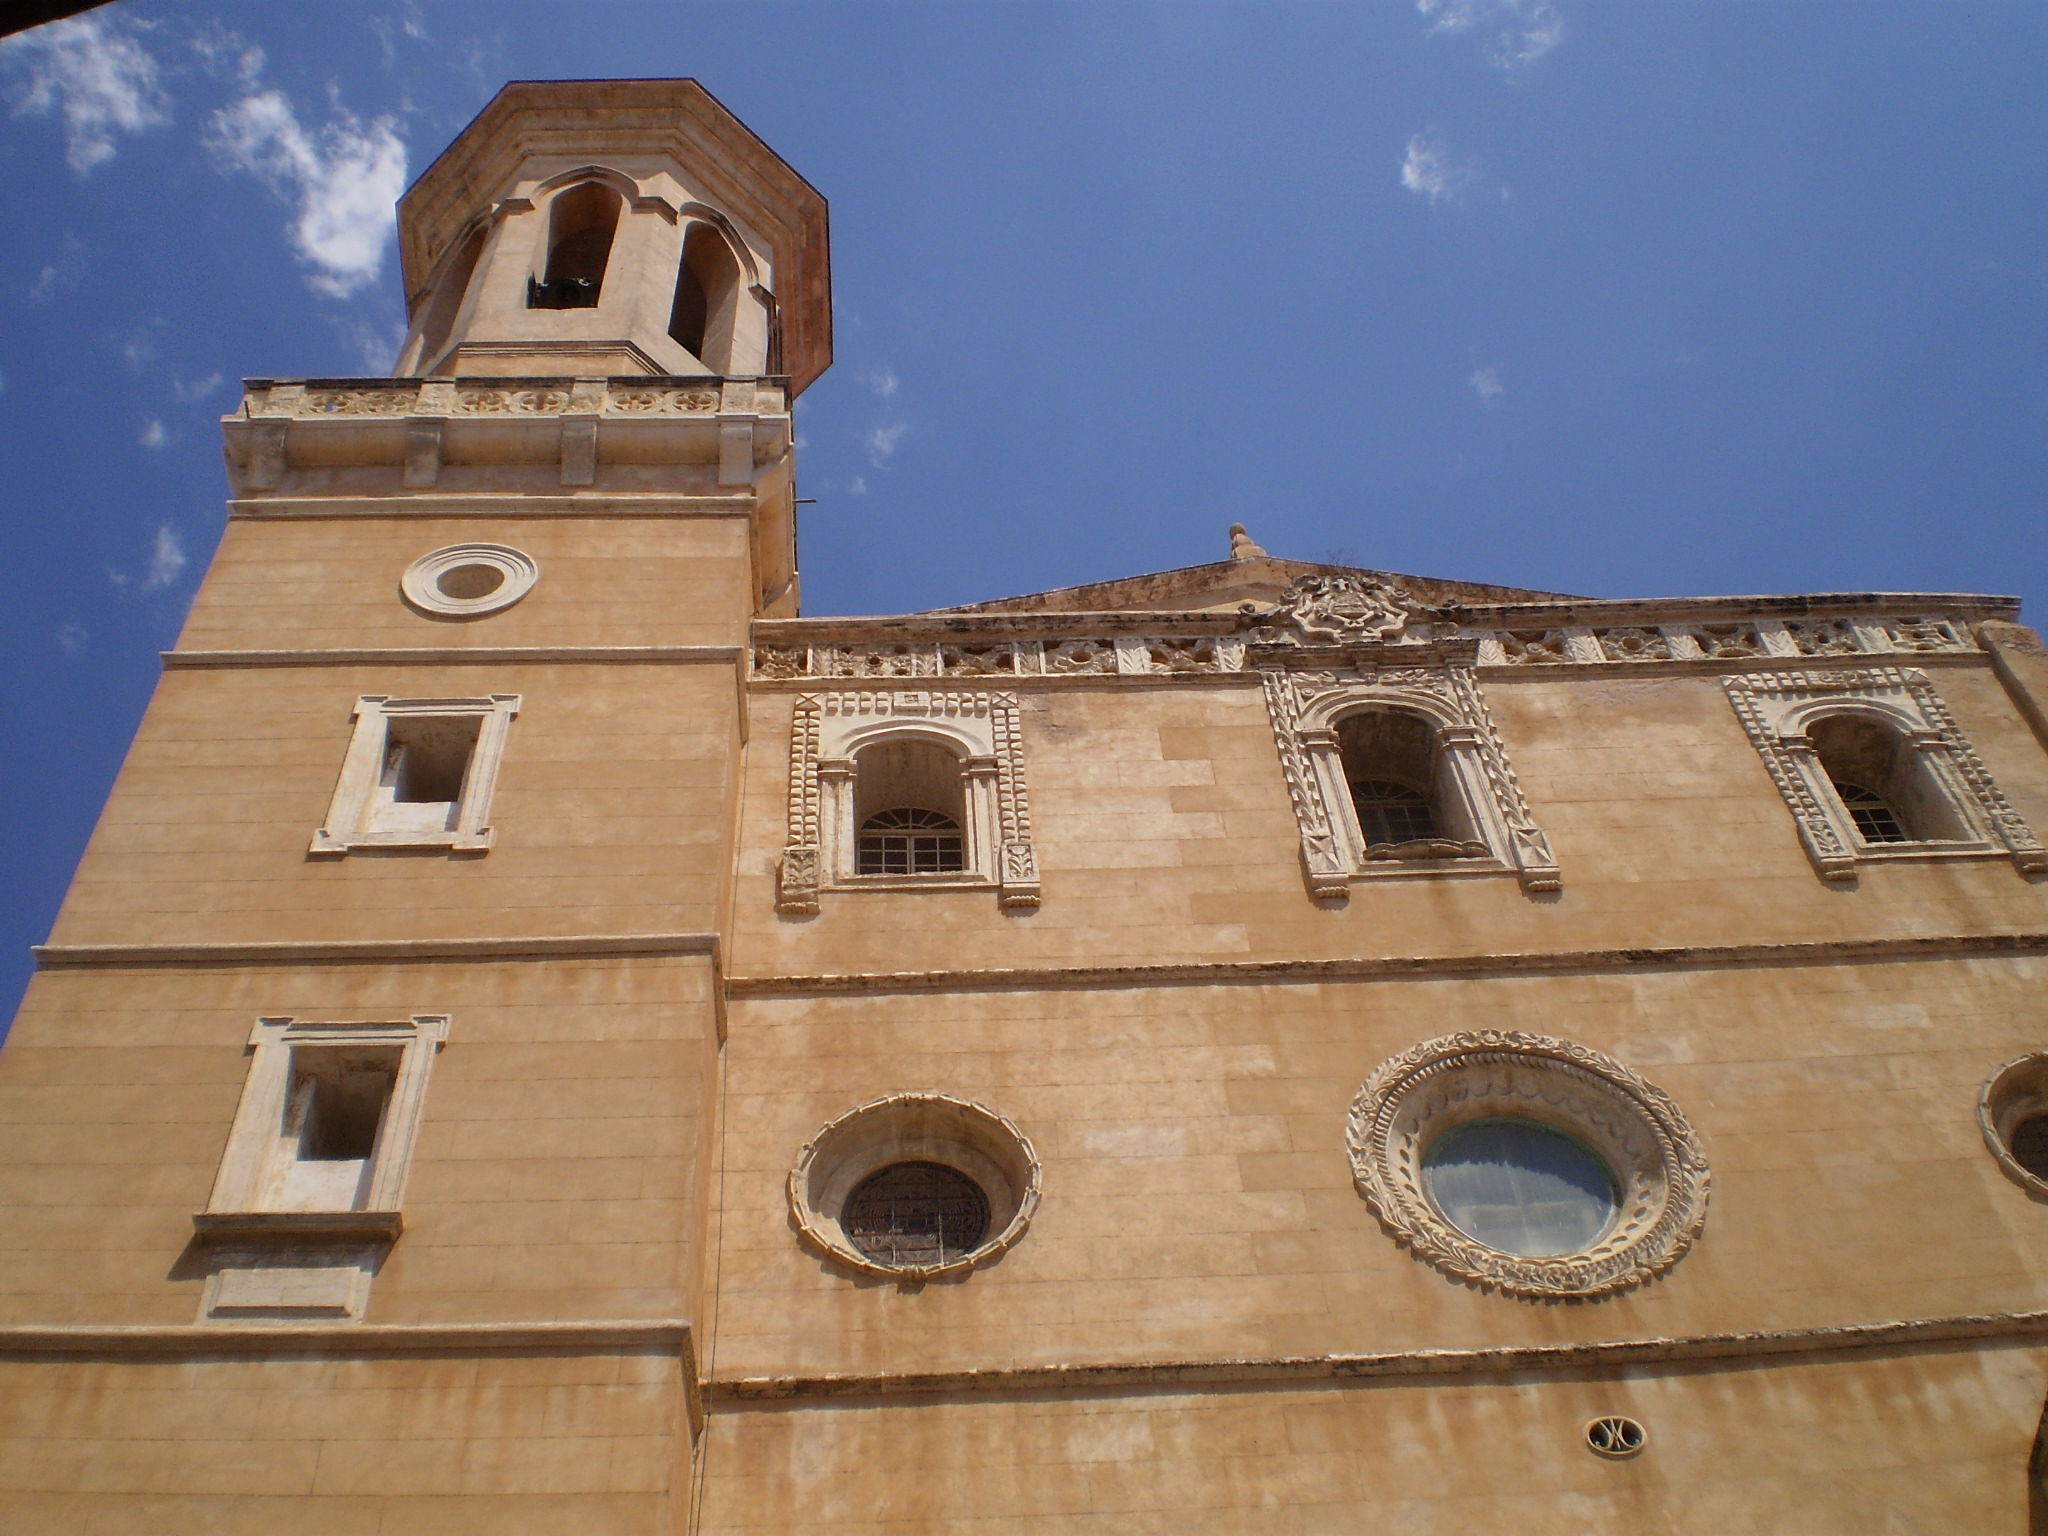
pixel 916 1213
pixel 913 1186
pixel 1520 1187
pixel 1528 1163
pixel 2012 1112
pixel 467 581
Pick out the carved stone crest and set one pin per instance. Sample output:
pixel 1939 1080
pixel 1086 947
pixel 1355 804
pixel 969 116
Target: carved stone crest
pixel 1337 610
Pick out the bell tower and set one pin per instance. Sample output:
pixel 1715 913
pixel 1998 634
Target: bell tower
pixel 644 231
pixel 410 908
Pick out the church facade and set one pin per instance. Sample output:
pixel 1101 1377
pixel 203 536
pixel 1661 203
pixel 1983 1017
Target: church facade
pixel 546 1037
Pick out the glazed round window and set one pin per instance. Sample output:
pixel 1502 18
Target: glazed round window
pixel 1528 1163
pixel 916 1213
pixel 467 581
pixel 1520 1187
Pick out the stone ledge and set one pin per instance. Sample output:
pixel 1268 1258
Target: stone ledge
pixel 279 1226
pixel 1123 1376
pixel 350 1338
pixel 287 952
pixel 1389 968
pixel 440 655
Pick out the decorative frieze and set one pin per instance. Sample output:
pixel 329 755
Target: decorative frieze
pixel 1170 654
pixel 514 397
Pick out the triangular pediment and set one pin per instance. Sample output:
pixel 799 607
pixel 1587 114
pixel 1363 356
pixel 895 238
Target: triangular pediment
pixel 1222 586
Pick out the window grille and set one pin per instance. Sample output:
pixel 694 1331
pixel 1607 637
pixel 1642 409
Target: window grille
pixel 2030 1145
pixel 916 1213
pixel 1391 812
pixel 910 842
pixel 1876 821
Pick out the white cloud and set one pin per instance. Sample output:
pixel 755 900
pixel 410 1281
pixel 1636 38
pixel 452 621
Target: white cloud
pixel 1429 170
pixel 139 350
pixel 1486 382
pixel 343 180
pixel 882 381
pixel 857 486
pixel 881 443
pixel 198 389
pixel 96 73
pixel 166 560
pixel 153 434
pixel 1516 33
pixel 45 284
pixel 71 639
pixel 227 54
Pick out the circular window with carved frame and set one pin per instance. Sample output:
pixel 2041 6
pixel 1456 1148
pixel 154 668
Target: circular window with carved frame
pixel 1593 1132
pixel 467 581
pixel 2012 1113
pixel 914 1186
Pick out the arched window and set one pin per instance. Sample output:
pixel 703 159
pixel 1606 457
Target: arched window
pixel 706 307
pixel 444 304
pixel 1880 781
pixel 909 803
pixel 1406 804
pixel 582 221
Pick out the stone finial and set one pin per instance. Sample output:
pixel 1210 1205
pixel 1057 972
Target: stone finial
pixel 1241 545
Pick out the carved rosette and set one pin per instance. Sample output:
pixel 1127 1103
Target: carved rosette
pixel 1413 1099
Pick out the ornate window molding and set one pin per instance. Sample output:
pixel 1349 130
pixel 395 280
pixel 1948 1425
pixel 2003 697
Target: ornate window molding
pixel 981 730
pixel 307 1196
pixel 969 1139
pixel 1306 708
pixel 1414 1098
pixel 2011 1110
pixel 418 774
pixel 1778 709
pixel 467 581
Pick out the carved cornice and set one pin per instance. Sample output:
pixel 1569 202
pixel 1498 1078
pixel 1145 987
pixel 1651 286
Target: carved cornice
pixel 1140 645
pixel 627 395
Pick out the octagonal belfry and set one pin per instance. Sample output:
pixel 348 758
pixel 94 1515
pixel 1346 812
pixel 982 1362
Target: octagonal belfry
pixel 614 227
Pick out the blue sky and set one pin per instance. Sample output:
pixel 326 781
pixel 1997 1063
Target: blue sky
pixel 1623 299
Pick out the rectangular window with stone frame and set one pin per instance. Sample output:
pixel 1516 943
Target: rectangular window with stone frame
pixel 307 1197
pixel 418 773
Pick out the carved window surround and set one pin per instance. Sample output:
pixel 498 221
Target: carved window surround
pixel 1776 709
pixel 1306 707
pixel 982 729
